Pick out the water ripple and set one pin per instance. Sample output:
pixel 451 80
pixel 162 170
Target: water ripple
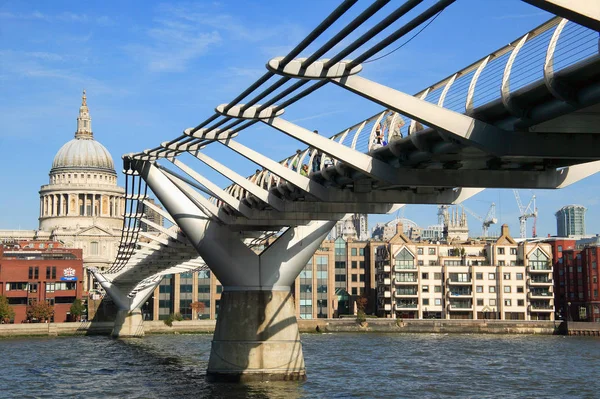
pixel 339 366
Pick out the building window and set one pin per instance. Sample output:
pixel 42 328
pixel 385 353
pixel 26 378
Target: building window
pixel 519 276
pixel 431 251
pixel 520 302
pixel 419 251
pixel 479 302
pixel 361 264
pixel 507 290
pixel 500 251
pixel 420 263
pixel 506 276
pixel 354 264
pixel 426 301
pixel 361 251
pixel 478 276
pixel 492 302
pixel 354 278
pixel 425 288
pixel 93 248
pixel 437 276
pixel 437 288
pixel 560 248
pixel 520 290
pixel 432 263
pixel 340 264
pixel 425 276
pixel 594 266
pixel 513 251
pixel 507 302
pixel 354 291
pixel 353 252
pixel 362 278
pixel 438 301
pixel 492 289
pixel 479 289
pixel 501 263
pixel 491 276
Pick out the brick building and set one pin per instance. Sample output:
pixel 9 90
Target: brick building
pixel 576 278
pixel 35 271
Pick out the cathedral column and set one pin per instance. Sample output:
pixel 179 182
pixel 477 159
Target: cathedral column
pixel 53 205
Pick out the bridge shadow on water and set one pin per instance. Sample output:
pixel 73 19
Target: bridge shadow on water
pixel 183 375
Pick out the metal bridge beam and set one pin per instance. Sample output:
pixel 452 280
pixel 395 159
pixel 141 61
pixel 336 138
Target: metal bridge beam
pixel 584 12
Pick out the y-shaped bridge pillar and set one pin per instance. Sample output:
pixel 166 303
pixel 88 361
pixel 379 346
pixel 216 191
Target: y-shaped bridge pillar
pixel 129 321
pixel 256 336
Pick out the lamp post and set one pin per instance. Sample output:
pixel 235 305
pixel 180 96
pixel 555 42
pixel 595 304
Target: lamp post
pixel 568 311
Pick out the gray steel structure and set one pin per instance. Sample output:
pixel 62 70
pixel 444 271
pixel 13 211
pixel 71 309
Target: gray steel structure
pixel 459 137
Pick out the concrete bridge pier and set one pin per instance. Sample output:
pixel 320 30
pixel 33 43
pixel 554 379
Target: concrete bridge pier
pixel 256 336
pixel 128 322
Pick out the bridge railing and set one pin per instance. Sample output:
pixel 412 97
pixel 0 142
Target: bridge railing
pixel 547 49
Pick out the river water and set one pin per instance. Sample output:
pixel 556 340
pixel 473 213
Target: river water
pixel 338 366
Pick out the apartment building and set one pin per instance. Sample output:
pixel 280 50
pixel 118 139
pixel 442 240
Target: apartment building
pixel 340 272
pixel 497 279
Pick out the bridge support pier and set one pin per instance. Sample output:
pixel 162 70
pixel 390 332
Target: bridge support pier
pixel 256 338
pixel 128 324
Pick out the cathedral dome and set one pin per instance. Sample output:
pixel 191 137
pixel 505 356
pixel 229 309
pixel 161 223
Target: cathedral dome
pixel 83 152
pixel 86 154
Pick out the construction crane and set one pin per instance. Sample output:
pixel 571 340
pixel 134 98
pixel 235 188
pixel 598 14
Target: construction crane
pixel 486 222
pixel 526 212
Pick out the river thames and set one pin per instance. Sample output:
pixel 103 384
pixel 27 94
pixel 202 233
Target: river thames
pixel 338 366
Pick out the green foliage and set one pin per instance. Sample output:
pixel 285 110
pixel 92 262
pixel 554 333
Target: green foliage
pixel 77 308
pixel 6 312
pixel 40 310
pixel 361 305
pixel 173 317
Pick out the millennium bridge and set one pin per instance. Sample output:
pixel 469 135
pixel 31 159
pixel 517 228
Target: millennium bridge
pixel 524 116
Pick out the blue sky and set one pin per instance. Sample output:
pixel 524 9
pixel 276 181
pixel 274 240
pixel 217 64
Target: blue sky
pixel 152 69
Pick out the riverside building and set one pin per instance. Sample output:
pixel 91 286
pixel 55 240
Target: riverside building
pixel 576 284
pixel 497 279
pixel 36 271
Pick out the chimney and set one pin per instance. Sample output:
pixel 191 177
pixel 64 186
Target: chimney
pixel 399 228
pixel 504 230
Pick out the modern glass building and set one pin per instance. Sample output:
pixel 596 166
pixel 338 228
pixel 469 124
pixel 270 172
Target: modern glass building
pixel 570 221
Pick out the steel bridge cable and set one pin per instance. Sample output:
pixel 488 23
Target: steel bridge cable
pixel 353 25
pixel 395 15
pixel 282 80
pixel 406 42
pixel 322 27
pixel 424 16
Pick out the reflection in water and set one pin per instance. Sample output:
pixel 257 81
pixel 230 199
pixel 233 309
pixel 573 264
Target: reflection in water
pixel 339 366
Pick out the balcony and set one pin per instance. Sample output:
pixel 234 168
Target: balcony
pixel 405 267
pixel 461 294
pixel 541 295
pixel 387 294
pixel 456 281
pixel 538 307
pixel 539 269
pixel 406 282
pixel 407 294
pixel 460 307
pixel 539 282
pixel 405 306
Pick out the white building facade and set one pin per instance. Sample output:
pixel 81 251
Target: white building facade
pixel 487 280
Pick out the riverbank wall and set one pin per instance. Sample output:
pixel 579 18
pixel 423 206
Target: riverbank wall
pixel 348 325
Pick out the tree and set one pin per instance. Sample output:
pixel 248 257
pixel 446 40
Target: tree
pixel 198 307
pixel 77 309
pixel 41 311
pixel 6 312
pixel 361 305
